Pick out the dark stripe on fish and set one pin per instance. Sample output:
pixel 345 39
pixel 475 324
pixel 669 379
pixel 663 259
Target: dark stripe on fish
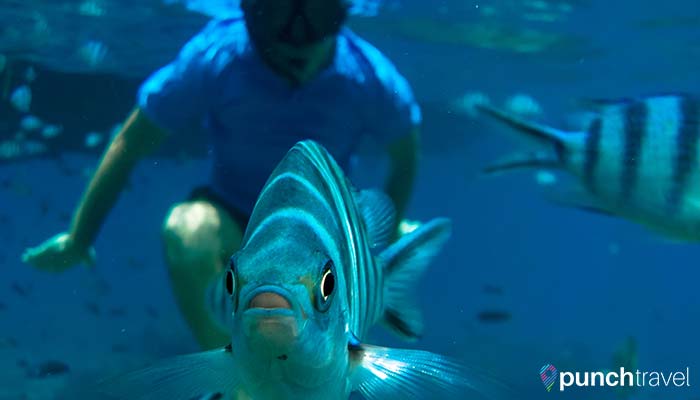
pixel 592 154
pixel 362 299
pixel 686 149
pixel 635 127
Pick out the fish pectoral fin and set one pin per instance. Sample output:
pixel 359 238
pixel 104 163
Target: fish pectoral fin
pixel 579 199
pixel 379 214
pixel 404 263
pixel 218 302
pixel 387 374
pixel 522 160
pixel 179 378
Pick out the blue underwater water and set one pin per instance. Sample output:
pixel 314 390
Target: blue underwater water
pixel 573 286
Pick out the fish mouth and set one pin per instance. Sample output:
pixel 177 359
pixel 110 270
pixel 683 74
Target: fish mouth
pixel 269 301
pixel 271 320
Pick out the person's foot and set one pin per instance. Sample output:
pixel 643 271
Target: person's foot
pixel 407 226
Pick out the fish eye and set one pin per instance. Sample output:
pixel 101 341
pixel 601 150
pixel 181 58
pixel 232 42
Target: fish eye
pixel 324 290
pixel 327 281
pixel 230 281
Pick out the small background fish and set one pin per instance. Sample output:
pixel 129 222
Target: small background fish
pixel 637 159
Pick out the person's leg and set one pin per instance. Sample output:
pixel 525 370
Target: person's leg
pixel 199 239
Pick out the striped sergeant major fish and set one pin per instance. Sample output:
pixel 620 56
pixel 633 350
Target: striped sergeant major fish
pixel 636 158
pixel 314 273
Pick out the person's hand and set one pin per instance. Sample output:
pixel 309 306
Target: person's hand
pixel 58 254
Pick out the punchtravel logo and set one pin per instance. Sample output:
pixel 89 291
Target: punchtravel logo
pixel 549 375
pixel 653 379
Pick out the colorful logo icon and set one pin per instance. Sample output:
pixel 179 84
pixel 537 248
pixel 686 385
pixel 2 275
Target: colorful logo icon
pixel 549 375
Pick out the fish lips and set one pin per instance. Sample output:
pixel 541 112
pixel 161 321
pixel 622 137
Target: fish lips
pixel 272 319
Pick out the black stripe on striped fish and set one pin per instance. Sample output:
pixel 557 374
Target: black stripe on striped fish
pixel 592 154
pixel 686 150
pixel 635 121
pixel 364 285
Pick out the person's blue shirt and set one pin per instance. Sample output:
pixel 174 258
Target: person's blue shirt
pixel 220 88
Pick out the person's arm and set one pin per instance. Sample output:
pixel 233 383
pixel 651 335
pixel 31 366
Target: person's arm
pixel 403 154
pixel 138 137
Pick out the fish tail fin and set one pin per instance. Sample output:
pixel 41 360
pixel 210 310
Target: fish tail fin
pixel 387 374
pixel 404 262
pixel 557 138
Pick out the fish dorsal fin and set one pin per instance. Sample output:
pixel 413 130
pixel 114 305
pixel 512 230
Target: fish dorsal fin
pixel 600 104
pixel 540 132
pixel 404 263
pixel 379 215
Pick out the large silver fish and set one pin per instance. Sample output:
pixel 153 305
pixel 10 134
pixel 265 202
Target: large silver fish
pixel 637 158
pixel 304 288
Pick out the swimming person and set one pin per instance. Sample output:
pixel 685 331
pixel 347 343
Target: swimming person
pixel 252 87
